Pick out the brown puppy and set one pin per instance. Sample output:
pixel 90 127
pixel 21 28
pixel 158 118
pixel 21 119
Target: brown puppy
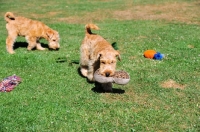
pixel 32 30
pixel 97 53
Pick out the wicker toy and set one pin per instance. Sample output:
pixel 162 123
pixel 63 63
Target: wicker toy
pixel 120 77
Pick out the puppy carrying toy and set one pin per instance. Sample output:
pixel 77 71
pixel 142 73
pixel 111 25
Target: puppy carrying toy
pixel 152 54
pixel 9 83
pixel 120 77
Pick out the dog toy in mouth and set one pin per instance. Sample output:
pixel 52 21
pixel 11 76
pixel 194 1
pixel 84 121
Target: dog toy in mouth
pixel 9 83
pixel 120 77
pixel 152 54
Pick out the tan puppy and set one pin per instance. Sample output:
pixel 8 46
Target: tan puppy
pixel 32 30
pixel 97 53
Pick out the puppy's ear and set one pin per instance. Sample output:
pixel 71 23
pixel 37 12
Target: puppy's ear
pixel 118 56
pixel 50 34
pixel 99 55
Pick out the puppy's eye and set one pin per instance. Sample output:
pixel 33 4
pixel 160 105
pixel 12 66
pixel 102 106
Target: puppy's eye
pixel 112 62
pixel 54 40
pixel 103 62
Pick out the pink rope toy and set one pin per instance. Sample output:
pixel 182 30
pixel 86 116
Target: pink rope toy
pixel 9 83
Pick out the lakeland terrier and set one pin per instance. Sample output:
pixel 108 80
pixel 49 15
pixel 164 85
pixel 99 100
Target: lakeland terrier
pixel 97 53
pixel 32 30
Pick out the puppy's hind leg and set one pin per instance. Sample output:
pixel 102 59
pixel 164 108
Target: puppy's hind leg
pixel 10 42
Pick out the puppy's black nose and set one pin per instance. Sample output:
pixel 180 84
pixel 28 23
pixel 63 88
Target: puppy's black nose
pixel 107 74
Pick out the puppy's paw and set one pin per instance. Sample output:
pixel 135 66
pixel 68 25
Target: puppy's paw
pixel 91 78
pixel 41 48
pixel 29 48
pixel 84 72
pixel 11 52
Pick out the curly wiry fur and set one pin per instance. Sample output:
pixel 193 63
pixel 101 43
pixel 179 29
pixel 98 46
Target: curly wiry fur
pixel 97 53
pixel 32 30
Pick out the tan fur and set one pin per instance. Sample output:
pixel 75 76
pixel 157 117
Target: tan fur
pixel 97 53
pixel 32 30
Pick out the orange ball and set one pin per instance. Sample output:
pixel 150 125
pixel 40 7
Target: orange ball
pixel 149 54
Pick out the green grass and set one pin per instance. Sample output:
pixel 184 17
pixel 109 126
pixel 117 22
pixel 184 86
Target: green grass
pixel 54 97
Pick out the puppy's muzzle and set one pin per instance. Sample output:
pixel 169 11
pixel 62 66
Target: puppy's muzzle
pixel 54 46
pixel 56 49
pixel 107 74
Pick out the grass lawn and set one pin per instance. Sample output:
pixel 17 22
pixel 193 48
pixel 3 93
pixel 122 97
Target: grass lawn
pixel 161 96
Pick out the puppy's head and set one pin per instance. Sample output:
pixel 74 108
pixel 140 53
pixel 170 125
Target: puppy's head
pixel 53 38
pixel 108 61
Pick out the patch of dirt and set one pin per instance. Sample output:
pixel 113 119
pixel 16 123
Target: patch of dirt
pixel 129 96
pixel 89 17
pixel 53 13
pixel 33 15
pixel 176 11
pixel 49 15
pixel 172 84
pixel 182 12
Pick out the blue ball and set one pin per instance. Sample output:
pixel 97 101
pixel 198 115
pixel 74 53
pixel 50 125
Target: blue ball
pixel 158 56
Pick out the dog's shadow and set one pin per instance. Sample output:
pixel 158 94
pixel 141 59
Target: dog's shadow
pixel 25 45
pixel 98 89
pixel 20 45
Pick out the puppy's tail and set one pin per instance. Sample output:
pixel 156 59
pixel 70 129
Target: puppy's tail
pixel 9 16
pixel 88 28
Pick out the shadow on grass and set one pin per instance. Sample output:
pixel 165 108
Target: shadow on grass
pixel 99 89
pixel 20 44
pixel 25 45
pixel 64 59
pixel 61 60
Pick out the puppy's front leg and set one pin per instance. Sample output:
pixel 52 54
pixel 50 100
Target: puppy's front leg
pixel 90 75
pixel 84 70
pixel 39 47
pixel 31 42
